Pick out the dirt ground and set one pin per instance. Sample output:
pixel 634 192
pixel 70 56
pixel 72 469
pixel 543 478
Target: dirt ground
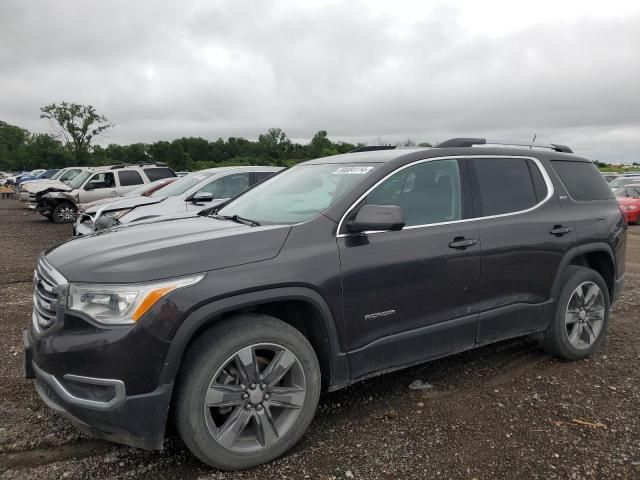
pixel 503 411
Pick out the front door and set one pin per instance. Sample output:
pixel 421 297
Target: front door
pixel 100 185
pixel 411 295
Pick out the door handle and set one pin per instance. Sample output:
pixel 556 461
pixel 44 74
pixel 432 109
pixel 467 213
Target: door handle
pixel 559 230
pixel 461 243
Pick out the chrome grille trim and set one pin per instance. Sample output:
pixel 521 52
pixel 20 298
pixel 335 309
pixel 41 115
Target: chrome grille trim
pixel 47 288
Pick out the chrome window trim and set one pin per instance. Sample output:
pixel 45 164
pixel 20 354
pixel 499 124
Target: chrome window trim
pixel 543 171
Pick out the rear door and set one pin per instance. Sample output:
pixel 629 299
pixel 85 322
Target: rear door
pixel 525 234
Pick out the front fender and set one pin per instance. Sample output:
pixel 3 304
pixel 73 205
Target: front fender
pixel 57 196
pixel 206 316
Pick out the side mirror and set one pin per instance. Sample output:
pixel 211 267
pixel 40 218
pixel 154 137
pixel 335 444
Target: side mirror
pixel 89 186
pixel 201 197
pixel 377 217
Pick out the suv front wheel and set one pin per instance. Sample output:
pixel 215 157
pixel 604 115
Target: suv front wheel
pixel 582 315
pixel 247 392
pixel 64 212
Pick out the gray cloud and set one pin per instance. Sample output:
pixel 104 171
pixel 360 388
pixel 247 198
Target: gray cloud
pixel 161 70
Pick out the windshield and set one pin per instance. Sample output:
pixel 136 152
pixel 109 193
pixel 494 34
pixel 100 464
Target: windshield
pixel 297 194
pixel 182 185
pixel 79 179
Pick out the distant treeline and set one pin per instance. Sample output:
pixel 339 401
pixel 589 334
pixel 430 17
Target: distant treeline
pixel 22 150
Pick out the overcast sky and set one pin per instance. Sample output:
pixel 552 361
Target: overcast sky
pixel 362 70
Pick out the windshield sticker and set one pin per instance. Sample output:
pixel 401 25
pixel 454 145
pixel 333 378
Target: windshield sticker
pixel 352 170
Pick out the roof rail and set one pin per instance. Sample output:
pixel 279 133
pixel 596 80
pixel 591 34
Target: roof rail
pixel 371 148
pixel 470 142
pixel 138 164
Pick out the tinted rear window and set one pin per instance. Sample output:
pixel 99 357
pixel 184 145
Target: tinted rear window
pixel 582 180
pixel 505 185
pixel 156 173
pixel 129 177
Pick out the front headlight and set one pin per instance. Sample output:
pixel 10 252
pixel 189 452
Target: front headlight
pixel 112 304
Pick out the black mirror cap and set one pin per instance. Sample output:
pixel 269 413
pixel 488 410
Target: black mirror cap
pixel 377 218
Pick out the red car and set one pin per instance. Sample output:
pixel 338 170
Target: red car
pixel 629 201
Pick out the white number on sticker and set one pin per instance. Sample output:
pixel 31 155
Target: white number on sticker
pixel 352 170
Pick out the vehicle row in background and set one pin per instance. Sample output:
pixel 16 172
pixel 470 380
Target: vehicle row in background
pixel 188 194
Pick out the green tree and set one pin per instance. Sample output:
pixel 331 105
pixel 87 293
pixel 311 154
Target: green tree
pixel 274 143
pixel 75 125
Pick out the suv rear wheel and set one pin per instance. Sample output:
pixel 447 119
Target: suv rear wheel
pixel 582 315
pixel 247 391
pixel 64 212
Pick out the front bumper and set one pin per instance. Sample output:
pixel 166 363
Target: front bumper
pixel 101 407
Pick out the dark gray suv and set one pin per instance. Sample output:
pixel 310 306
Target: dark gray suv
pixel 332 271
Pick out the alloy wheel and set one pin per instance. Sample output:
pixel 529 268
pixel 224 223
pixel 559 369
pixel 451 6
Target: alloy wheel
pixel 254 398
pixel 66 214
pixel 585 314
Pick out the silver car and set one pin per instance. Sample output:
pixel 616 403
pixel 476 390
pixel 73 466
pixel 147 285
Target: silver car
pixel 190 193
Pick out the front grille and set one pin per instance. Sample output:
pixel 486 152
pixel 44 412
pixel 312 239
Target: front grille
pixel 48 286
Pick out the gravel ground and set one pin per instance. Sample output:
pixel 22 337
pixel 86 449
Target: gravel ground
pixel 503 411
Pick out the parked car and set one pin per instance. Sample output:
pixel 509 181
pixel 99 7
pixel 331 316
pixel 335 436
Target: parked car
pixel 88 210
pixel 191 193
pixel 629 201
pixel 142 191
pixel 60 180
pixel 330 272
pixel 16 179
pixel 47 174
pixel 624 180
pixel 60 204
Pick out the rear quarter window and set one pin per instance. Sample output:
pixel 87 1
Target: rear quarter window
pixel 582 180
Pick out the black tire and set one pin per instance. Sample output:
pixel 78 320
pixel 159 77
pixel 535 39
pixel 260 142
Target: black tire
pixel 61 211
pixel 556 339
pixel 212 351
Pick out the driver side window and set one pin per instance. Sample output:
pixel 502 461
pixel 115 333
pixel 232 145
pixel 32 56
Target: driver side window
pixel 101 180
pixel 428 192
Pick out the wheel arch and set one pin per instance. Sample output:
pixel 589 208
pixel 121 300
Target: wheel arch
pixel 597 256
pixel 300 307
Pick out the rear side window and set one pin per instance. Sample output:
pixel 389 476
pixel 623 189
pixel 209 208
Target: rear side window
pixel 156 173
pixel 582 180
pixel 506 185
pixel 129 177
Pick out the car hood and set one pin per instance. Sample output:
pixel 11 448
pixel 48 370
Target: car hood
pixel 123 203
pixel 44 184
pixel 158 250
